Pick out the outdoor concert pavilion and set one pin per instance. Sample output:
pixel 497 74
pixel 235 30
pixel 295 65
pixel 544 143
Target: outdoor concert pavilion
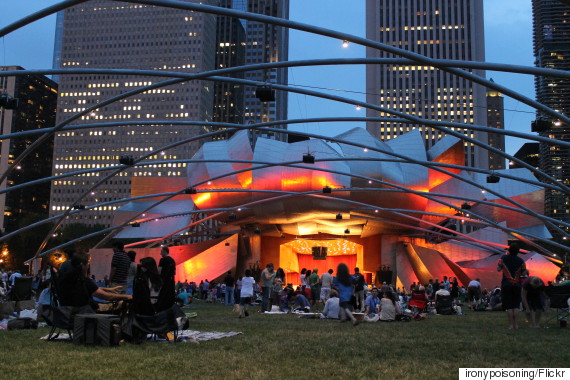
pixel 387 209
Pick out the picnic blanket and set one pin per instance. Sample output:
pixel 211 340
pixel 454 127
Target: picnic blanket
pixel 187 336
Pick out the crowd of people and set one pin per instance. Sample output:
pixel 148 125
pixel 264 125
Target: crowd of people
pixel 338 295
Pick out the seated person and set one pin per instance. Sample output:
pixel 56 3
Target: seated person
pixel 495 300
pixel 287 295
pixel 442 291
pixel 77 289
pixel 182 298
pixel 302 303
pixel 372 306
pixel 332 308
pixel 146 288
pixel 419 298
pixel 389 308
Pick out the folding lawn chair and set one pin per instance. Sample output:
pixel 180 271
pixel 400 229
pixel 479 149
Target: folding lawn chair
pixel 559 296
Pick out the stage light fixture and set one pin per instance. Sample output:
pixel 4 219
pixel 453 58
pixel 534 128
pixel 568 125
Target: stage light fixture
pixel 190 190
pixel 78 207
pixel 338 216
pixel 466 206
pixel 347 231
pixel 135 224
pixel 493 178
pixel 327 190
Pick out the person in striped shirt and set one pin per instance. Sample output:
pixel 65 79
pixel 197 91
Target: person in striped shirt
pixel 120 265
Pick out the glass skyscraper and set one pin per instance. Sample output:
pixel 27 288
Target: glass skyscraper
pixel 437 29
pixel 551 24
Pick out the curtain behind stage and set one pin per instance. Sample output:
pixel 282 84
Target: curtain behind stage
pixel 306 261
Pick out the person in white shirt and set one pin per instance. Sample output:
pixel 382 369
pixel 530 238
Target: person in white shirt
pixel 474 292
pixel 332 308
pixel 246 294
pixel 326 285
pixel 442 291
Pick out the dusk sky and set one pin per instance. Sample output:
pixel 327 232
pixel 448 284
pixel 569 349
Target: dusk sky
pixel 508 36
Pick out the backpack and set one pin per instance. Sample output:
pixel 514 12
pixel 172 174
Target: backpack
pixel 22 324
pixel 358 282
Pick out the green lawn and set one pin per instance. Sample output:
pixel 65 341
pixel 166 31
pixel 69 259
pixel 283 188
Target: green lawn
pixel 286 347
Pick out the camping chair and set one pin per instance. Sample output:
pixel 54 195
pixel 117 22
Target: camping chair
pixel 444 305
pixel 59 317
pixel 22 290
pixel 559 296
pixel 418 301
pixel 157 319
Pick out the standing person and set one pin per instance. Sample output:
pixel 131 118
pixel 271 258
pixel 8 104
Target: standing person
pixel 120 264
pixel 167 271
pixel 277 288
pixel 474 292
pixel 132 271
pixel 358 279
pixel 230 282
pixel 267 276
pixel 512 267
pixel 238 288
pixel 246 293
pixel 344 283
pixel 205 289
pixel 326 285
pixel 534 299
pixel 307 284
pixel 315 282
pixel 302 277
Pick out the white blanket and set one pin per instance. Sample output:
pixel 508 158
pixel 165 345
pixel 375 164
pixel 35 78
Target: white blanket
pixel 183 336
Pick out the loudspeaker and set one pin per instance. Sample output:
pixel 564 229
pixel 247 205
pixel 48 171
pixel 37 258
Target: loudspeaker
pixel 540 125
pixel 265 94
pixel 319 253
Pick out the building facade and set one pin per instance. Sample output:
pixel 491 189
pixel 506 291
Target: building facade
pixel 551 35
pixel 266 43
pixel 496 119
pixel 108 34
pixel 37 96
pixel 229 102
pixel 442 30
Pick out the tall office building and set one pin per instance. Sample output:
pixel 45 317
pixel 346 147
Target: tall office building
pixel 551 24
pixel 229 102
pixel 496 119
pixel 36 107
pixel 266 43
pixel 451 29
pixel 110 34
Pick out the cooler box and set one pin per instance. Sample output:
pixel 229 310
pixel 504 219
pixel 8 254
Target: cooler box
pixel 96 329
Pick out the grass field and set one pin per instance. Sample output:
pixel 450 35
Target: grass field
pixel 277 347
